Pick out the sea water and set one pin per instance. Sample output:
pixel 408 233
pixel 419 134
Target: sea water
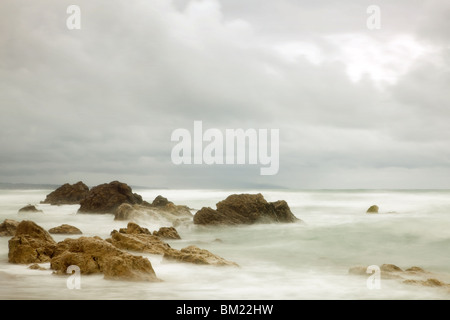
pixel 305 260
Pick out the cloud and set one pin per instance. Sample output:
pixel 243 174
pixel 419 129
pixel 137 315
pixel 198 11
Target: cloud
pixel 100 103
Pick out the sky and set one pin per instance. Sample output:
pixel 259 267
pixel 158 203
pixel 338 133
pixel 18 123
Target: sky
pixel 356 107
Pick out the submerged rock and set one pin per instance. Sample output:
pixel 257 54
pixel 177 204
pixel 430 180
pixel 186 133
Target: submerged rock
pixel 8 228
pixel 30 244
pixel 95 255
pixel 35 266
pixel 193 254
pixel 106 198
pixel 29 208
pixel 65 229
pixel 67 194
pixel 167 233
pixel 373 209
pixel 245 209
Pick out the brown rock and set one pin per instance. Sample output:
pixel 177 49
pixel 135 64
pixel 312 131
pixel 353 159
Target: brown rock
pixel 193 254
pixel 427 283
pixel 169 212
pixel 29 208
pixel 358 270
pixel 390 268
pixel 35 266
pixel 8 228
pixel 245 209
pixel 30 244
pixel 372 209
pixel 134 228
pixel 160 201
pixel 67 194
pixel 106 198
pixel 94 255
pixel 167 233
pixel 65 229
pixel 145 243
pixel 415 270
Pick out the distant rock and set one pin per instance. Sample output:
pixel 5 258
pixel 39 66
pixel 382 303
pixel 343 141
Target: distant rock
pixel 193 254
pixel 372 209
pixel 65 229
pixel 35 266
pixel 106 198
pixel 30 244
pixel 67 194
pixel 8 228
pixel 245 209
pixel 29 208
pixel 427 283
pixel 390 268
pixel 95 255
pixel 167 233
pixel 161 209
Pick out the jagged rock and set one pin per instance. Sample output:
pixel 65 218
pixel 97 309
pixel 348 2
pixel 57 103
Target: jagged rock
pixel 245 209
pixel 65 229
pixel 95 255
pixel 8 228
pixel 106 198
pixel 30 244
pixel 29 208
pixel 160 201
pixel 167 233
pixel 67 194
pixel 145 243
pixel 372 209
pixel 193 254
pixel 134 228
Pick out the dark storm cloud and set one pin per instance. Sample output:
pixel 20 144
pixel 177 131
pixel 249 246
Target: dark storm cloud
pixel 355 108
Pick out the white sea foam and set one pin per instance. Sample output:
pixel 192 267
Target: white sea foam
pixel 277 261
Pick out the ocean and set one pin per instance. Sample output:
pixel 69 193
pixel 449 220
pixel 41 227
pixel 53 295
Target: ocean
pixel 308 260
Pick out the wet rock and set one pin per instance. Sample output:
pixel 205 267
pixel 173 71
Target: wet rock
pixel 29 208
pixel 67 194
pixel 65 229
pixel 35 266
pixel 245 209
pixel 106 198
pixel 193 254
pixel 30 244
pixel 373 209
pixel 167 233
pixel 160 201
pixel 95 255
pixel 145 243
pixel 8 228
pixel 134 228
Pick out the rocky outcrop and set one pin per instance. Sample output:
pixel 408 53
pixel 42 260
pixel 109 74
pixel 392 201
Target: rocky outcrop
pixel 245 209
pixel 67 194
pixel 106 198
pixel 30 244
pixel 161 209
pixel 134 228
pixel 8 228
pixel 167 233
pixel 373 209
pixel 95 255
pixel 29 208
pixel 65 229
pixel 193 254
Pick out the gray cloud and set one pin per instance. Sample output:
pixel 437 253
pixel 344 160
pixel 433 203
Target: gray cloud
pixel 100 103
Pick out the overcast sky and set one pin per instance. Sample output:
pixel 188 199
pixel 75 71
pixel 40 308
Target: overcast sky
pixel 356 108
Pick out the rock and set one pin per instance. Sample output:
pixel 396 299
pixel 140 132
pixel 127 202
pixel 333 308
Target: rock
pixel 67 194
pixel 193 254
pixel 167 233
pixel 245 209
pixel 358 270
pixel 35 266
pixel 427 283
pixel 8 228
pixel 30 244
pixel 106 198
pixel 390 268
pixel 65 229
pixel 29 208
pixel 145 243
pixel 94 255
pixel 415 270
pixel 160 201
pixel 169 212
pixel 134 228
pixel 372 209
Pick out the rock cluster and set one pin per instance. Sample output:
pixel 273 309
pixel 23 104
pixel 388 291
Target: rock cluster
pixel 245 209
